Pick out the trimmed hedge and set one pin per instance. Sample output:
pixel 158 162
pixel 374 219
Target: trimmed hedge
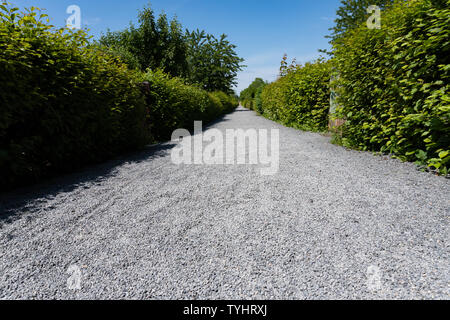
pixel 65 103
pixel 257 101
pixel 393 84
pixel 251 97
pixel 174 104
pixel 301 98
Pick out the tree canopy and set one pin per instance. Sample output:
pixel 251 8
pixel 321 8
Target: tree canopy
pixel 200 58
pixel 154 44
pixel 213 62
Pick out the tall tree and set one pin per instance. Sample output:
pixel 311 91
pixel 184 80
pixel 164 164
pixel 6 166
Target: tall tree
pixel 201 58
pixel 213 62
pixel 155 44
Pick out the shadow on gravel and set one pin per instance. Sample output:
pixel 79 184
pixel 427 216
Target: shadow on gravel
pixel 11 201
pixel 214 122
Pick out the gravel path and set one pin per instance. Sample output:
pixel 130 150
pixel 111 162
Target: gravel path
pixel 332 223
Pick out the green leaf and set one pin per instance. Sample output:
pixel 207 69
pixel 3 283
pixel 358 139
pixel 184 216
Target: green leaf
pixel 443 154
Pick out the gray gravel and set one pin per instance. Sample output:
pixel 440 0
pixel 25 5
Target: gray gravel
pixel 332 224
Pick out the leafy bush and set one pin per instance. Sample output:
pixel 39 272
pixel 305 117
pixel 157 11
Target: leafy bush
pixel 63 102
pixel 393 84
pixel 124 55
pixel 228 103
pixel 300 98
pixel 172 104
pixel 257 102
pixel 274 99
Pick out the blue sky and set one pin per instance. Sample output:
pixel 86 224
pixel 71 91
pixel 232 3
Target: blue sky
pixel 262 30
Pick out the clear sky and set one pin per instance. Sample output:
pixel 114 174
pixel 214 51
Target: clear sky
pixel 263 30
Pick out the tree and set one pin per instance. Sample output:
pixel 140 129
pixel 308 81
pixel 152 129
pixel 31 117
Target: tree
pixel 250 97
pixel 213 63
pixel 154 44
pixel 200 58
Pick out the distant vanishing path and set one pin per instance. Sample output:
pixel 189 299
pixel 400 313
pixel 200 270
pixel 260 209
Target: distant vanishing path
pixel 333 223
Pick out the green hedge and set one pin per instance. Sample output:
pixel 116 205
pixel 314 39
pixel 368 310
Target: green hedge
pixel 251 97
pixel 300 98
pixel 257 101
pixel 393 84
pixel 174 104
pixel 65 103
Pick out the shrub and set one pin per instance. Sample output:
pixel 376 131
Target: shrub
pixel 63 102
pixel 228 102
pixel 158 43
pixel 274 99
pixel 300 98
pixel 248 96
pixel 394 84
pixel 257 104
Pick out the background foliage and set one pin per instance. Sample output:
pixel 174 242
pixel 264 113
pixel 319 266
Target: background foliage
pixel 154 44
pixel 213 63
pixel 251 97
pixel 200 58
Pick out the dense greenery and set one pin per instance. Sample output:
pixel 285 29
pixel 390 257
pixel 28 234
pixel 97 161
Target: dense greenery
pixel 299 98
pixel 177 105
pixel 212 62
pixel 394 84
pixel 65 102
pixel 199 57
pixel 251 97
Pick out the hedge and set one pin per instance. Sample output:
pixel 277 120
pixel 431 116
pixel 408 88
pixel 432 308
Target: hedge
pixel 173 104
pixel 393 84
pixel 300 98
pixel 251 97
pixel 65 103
